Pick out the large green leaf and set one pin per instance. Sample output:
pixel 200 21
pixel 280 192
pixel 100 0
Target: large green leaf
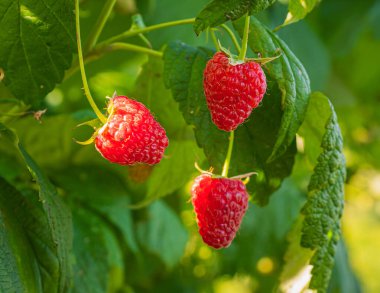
pixel 19 269
pixel 37 42
pixel 324 207
pixel 291 77
pixel 103 192
pixel 50 223
pixel 163 234
pixel 254 140
pixel 95 266
pixel 220 11
pixel 150 90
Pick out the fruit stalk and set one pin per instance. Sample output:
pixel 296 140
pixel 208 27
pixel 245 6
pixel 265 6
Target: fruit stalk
pixel 87 92
pixel 229 153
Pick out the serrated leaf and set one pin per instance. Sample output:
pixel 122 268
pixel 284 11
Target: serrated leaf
pixel 163 234
pixel 324 207
pixel 290 76
pixel 37 43
pixel 254 139
pixel 298 9
pixel 220 11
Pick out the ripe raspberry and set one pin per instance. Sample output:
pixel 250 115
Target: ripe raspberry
pixel 131 135
pixel 232 91
pixel 220 204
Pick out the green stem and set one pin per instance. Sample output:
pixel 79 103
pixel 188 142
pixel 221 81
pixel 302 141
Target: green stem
pixel 229 153
pixel 98 113
pixel 96 54
pixel 134 48
pixel 134 32
pixel 232 37
pixel 214 39
pixel 244 45
pixel 98 28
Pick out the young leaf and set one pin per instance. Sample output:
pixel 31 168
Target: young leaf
pixel 298 9
pixel 163 234
pixel 37 42
pixel 254 139
pixel 219 11
pixel 291 77
pixel 324 207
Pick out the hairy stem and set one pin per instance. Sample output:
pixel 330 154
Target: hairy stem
pixel 98 28
pixel 229 153
pixel 244 45
pixel 87 92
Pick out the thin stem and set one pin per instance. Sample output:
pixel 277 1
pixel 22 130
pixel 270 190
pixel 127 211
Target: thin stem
pixel 134 32
pixel 232 37
pixel 134 48
pixel 98 28
pixel 98 113
pixel 96 54
pixel 214 39
pixel 229 153
pixel 244 45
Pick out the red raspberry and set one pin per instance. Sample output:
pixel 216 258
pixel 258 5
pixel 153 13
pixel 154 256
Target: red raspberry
pixel 220 204
pixel 131 134
pixel 232 91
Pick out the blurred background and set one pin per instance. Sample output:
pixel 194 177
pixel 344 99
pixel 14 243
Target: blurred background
pixel 339 44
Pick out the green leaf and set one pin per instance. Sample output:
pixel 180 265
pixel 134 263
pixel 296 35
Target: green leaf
pixel 173 172
pixel 95 265
pixel 313 127
pixel 254 140
pixel 298 9
pixel 290 76
pixel 107 198
pixel 150 90
pixel 163 234
pixel 58 218
pixel 296 272
pixel 19 271
pixel 219 11
pixel 324 207
pixel 37 43
pixel 55 218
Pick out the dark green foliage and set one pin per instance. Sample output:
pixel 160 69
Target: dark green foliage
pixel 37 43
pixel 220 11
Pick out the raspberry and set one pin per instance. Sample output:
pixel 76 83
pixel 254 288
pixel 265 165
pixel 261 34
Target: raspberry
pixel 232 91
pixel 131 134
pixel 219 204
